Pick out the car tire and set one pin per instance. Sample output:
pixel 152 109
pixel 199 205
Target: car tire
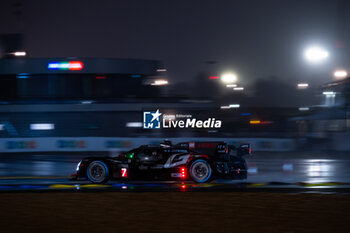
pixel 200 171
pixel 97 172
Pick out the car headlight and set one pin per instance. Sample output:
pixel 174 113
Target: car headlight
pixel 78 166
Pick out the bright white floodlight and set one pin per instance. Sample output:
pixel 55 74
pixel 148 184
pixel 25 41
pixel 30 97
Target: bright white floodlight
pixel 159 82
pixel 42 126
pixel 230 106
pixel 234 105
pixel 303 85
pixel 19 53
pixel 340 74
pixel 229 78
pixel 315 54
pixel 329 93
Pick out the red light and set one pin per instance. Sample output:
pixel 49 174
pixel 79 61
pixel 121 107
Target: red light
pixel 124 172
pixel 183 186
pixel 75 65
pixel 100 77
pixel 183 172
pixel 214 77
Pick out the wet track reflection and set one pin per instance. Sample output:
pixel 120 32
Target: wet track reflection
pixel 294 169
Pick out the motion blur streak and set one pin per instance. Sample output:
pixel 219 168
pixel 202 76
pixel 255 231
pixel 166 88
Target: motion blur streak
pixel 262 167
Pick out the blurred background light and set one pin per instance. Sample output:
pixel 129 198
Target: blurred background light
pixel 303 85
pixel 234 105
pixel 230 106
pixel 71 65
pixel 329 93
pixel 160 82
pixel 87 102
pixel 42 126
pixel 330 98
pixel 320 167
pixel 136 76
pixel 22 76
pixel 134 124
pixel 266 122
pixel 229 78
pixel 315 54
pixel 340 74
pixel 19 54
pixel 231 85
pixel 238 88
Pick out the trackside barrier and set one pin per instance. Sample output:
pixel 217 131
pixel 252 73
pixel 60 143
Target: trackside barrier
pixel 116 144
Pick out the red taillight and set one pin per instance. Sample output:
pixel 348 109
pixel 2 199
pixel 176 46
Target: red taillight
pixel 183 172
pixel 124 172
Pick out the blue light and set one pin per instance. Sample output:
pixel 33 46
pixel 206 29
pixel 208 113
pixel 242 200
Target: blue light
pixel 22 76
pixel 53 66
pixel 66 65
pixel 246 114
pixel 136 76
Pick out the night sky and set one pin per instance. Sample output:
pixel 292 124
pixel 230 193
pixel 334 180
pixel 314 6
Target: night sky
pixel 256 39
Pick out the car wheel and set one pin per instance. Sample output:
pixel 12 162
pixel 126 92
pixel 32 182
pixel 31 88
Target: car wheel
pixel 200 171
pixel 97 172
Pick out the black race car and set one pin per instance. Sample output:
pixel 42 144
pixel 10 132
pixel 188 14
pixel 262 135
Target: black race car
pixel 197 161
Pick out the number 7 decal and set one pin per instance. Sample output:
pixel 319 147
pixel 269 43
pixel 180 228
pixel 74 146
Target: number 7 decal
pixel 124 172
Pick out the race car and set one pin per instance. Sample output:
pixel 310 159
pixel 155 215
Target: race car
pixel 197 161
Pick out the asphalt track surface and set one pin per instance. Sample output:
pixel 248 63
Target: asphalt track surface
pixel 282 172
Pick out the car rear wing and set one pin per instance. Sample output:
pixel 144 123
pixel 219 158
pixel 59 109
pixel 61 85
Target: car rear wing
pixel 204 147
pixel 223 148
pixel 215 148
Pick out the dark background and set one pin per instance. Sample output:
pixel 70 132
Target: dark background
pixel 256 39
